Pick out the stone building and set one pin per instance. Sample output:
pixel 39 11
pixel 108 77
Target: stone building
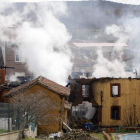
pixel 59 93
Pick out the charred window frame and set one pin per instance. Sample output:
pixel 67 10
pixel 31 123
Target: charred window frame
pixel 116 112
pixel 115 89
pixel 85 90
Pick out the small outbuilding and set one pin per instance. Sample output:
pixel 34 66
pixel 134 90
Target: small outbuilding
pixel 59 93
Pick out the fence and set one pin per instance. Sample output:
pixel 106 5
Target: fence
pixel 9 118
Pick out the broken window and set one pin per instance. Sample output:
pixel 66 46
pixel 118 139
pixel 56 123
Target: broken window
pixel 115 90
pixel 115 112
pixel 85 90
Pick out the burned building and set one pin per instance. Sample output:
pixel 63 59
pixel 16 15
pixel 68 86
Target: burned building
pixel 116 99
pixel 83 104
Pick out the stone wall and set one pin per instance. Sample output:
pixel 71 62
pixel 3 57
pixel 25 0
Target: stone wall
pixel 14 134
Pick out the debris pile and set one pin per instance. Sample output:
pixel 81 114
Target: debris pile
pixel 78 124
pixel 76 134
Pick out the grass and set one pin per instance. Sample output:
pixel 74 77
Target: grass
pixel 99 135
pixel 35 139
pixel 123 130
pixel 31 139
pixel 3 131
pixel 111 137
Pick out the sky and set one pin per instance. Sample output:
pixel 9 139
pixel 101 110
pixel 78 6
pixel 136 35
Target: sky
pixel 134 2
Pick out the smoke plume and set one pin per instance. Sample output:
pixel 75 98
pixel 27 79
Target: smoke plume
pixel 128 31
pixel 115 67
pixel 40 36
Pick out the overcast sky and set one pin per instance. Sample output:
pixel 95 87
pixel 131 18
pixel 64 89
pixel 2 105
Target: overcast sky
pixel 135 2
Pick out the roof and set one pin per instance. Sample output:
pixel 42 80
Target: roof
pixel 88 80
pixel 42 81
pixel 100 44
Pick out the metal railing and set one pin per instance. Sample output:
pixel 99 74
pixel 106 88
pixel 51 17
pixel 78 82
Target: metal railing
pixel 9 118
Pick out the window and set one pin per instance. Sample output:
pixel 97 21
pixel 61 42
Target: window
pixel 85 90
pixel 115 112
pixel 18 58
pixel 115 90
pixel 20 74
pixel 82 70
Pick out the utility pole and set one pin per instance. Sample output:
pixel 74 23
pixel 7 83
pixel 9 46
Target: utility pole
pixel 4 67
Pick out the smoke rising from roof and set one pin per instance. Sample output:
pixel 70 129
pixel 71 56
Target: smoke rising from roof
pixel 106 68
pixel 128 32
pixel 115 67
pixel 41 38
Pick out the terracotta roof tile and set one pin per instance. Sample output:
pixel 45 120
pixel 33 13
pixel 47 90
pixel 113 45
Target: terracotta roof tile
pixel 43 81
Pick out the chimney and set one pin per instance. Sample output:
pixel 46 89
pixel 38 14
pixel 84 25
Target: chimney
pixel 2 73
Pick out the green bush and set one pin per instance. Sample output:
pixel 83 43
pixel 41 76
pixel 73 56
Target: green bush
pixel 111 137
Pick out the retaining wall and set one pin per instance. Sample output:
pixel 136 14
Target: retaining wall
pixel 14 134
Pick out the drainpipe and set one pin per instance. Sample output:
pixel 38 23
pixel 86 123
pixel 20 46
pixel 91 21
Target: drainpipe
pixel 134 115
pixel 101 105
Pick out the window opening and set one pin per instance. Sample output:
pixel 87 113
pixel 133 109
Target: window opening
pixel 115 91
pixel 115 112
pixel 18 58
pixel 85 90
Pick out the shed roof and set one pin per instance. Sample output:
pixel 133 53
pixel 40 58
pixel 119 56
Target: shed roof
pixel 42 81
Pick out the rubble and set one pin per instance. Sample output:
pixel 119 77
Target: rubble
pixel 78 123
pixel 76 134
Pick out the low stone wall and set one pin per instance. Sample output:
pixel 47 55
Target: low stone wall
pixel 106 135
pixel 14 134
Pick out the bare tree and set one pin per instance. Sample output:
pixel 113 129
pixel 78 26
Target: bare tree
pixel 128 117
pixel 37 107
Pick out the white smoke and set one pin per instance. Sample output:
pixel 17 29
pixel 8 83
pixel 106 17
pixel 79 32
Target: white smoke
pixel 106 68
pixel 134 41
pixel 13 78
pixel 114 68
pixel 42 39
pixel 120 32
